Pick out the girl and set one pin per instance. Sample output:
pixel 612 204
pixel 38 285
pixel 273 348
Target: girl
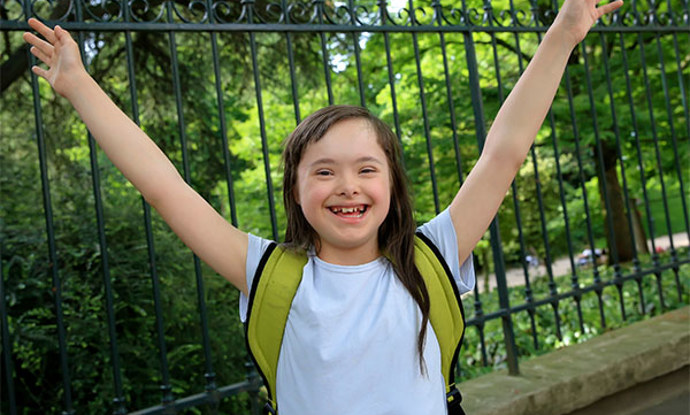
pixel 357 339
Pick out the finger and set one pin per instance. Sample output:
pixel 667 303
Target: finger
pixel 40 72
pixel 62 35
pixel 38 42
pixel 44 30
pixel 44 57
pixel 609 7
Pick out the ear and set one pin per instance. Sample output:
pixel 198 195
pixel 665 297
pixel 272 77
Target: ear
pixel 295 195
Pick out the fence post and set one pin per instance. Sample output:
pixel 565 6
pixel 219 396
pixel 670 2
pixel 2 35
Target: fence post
pixel 496 248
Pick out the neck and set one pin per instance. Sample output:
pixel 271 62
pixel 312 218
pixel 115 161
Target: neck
pixel 348 256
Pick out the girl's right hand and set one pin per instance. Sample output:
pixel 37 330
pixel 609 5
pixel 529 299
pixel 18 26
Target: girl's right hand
pixel 61 53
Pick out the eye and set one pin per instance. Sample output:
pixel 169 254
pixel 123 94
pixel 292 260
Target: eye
pixel 324 173
pixel 367 170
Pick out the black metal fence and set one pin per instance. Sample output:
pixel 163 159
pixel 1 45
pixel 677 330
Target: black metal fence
pixel 218 84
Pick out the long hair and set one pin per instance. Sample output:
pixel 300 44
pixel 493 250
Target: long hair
pixel 396 233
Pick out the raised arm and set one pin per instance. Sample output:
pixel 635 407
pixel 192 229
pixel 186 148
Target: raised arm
pixel 200 227
pixel 518 121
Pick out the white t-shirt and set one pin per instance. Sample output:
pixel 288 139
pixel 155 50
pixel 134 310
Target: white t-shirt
pixel 350 342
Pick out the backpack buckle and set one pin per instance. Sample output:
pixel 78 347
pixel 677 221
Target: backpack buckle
pixel 453 399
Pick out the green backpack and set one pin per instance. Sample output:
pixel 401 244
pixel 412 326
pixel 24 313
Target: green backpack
pixel 275 283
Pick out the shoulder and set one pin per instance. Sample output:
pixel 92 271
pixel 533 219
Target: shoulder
pixel 441 233
pixel 256 248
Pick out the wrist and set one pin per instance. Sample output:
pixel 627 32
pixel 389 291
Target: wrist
pixel 77 86
pixel 561 38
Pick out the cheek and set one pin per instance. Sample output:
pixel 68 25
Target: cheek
pixel 388 198
pixel 312 197
pixel 388 188
pixel 388 192
pixel 384 194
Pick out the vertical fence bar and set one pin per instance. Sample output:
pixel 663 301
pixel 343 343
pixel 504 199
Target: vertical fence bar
pixel 50 233
pixel 251 371
pixel 601 162
pixel 499 263
pixel 672 131
pixel 684 19
pixel 391 77
pixel 8 395
pixel 581 176
pixel 252 377
pixel 249 10
pixel 223 124
pixel 436 4
pixel 634 132
pixel 209 375
pixel 602 180
pixel 617 276
pixel 479 316
pixel 422 98
pixel 165 387
pixel 119 399
pixel 540 199
pixel 574 278
pixel 358 61
pixel 291 64
pixel 686 112
pixel 529 297
pixel 669 112
pixel 650 107
pixel 319 10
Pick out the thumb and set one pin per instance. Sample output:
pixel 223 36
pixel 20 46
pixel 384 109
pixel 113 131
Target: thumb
pixel 40 72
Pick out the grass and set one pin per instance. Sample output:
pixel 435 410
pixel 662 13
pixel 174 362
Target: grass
pixel 676 216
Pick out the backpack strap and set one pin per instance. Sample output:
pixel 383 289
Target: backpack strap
pixel 274 286
pixel 275 283
pixel 446 313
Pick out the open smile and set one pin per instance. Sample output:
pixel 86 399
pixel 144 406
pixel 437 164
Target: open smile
pixel 349 211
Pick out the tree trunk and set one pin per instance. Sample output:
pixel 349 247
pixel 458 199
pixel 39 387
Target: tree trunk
pixel 638 229
pixel 621 239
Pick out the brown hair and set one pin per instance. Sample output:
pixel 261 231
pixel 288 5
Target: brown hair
pixel 396 233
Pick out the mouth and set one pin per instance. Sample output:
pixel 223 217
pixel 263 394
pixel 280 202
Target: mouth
pixel 349 211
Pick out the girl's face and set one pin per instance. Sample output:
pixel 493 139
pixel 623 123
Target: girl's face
pixel 343 188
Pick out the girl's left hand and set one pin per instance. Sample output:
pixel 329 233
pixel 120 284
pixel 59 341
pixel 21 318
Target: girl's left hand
pixel 576 17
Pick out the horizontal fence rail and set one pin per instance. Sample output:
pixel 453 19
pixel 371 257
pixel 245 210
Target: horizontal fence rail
pixel 103 310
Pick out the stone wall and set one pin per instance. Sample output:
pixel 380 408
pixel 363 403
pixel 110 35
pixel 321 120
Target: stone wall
pixel 577 376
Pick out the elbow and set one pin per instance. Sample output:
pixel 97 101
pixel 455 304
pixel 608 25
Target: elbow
pixel 507 158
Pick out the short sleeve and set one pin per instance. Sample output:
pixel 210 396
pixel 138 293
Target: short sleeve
pixel 441 232
pixel 255 250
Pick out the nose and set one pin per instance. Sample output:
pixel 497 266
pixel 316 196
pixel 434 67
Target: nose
pixel 348 186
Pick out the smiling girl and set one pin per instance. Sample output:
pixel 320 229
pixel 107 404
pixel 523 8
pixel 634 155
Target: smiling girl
pixel 358 338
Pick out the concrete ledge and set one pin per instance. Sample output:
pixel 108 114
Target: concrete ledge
pixel 666 395
pixel 579 375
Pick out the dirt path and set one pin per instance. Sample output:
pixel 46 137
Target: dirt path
pixel 561 266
